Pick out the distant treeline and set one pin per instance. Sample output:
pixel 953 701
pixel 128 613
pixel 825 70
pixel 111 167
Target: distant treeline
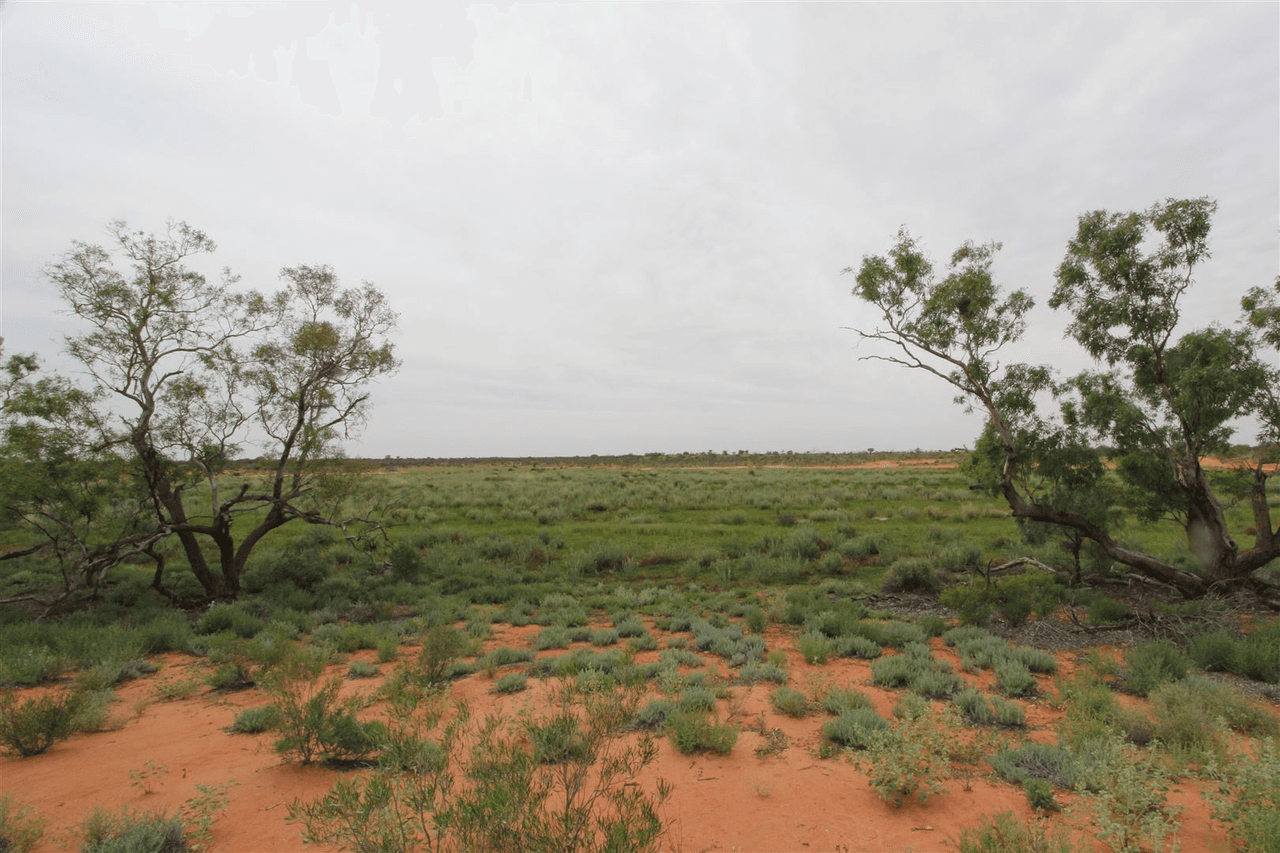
pixel 709 458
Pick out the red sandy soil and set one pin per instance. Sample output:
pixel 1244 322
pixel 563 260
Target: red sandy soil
pixel 794 801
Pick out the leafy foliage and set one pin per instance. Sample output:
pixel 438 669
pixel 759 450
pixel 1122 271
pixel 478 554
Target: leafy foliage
pixel 1159 403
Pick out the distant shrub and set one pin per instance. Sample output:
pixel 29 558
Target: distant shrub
pixel 1104 611
pixel 911 574
pixel 229 617
pixel 512 682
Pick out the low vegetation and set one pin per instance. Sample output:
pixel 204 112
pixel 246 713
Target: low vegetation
pixel 655 599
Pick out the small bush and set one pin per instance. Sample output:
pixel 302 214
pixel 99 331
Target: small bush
pixel 1002 833
pixel 694 732
pixel 20 826
pixel 974 706
pixel 789 701
pixel 854 728
pixel 911 574
pixel 654 714
pixel 1214 652
pixel 1104 611
pixel 1246 797
pixel 127 831
pixel 229 617
pixel 814 648
pixel 1014 679
pixel 362 669
pixel 1148 665
pixel 697 698
pixel 252 721
pixel 911 758
pixel 841 699
pixel 512 682
pixel 313 722
pixel 37 724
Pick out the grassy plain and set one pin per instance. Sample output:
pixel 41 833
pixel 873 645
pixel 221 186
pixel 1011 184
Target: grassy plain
pixel 694 586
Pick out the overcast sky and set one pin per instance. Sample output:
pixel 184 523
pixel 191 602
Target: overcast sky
pixel 620 227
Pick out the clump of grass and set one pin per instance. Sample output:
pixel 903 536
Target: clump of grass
pixel 1148 665
pixel 792 702
pixel 21 827
pixel 252 721
pixel 37 724
pixel 1003 833
pixel 694 732
pixel 853 728
pixel 512 682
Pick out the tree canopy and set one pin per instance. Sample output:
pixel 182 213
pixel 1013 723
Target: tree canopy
pixel 183 374
pixel 1156 405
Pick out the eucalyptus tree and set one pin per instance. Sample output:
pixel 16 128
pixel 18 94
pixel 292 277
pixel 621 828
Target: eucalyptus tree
pixel 1154 407
pixel 183 374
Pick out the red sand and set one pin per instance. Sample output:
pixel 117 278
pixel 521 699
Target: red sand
pixel 794 801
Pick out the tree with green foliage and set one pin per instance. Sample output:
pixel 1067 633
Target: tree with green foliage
pixel 1154 408
pixel 183 373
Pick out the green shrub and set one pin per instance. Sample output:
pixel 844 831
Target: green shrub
pixel 1214 652
pixel 1190 716
pixel 909 759
pixel 512 682
pixel 1014 679
pixel 21 827
pixel 26 665
pixel 911 574
pixel 974 706
pixel 654 714
pixel 697 698
pixel 1259 654
pixel 694 732
pixel 753 672
pixel 1002 833
pixel 1040 795
pixel 792 702
pixel 313 722
pixel 1009 714
pixel 252 721
pixel 558 739
pixel 814 648
pixel 37 724
pixel 362 669
pixel 1150 664
pixel 229 617
pixel 1015 598
pixel 167 632
pixel 1104 611
pixel 932 626
pixel 854 728
pixel 841 699
pixel 487 789
pixel 127 831
pixel 1246 796
pixel 1054 764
